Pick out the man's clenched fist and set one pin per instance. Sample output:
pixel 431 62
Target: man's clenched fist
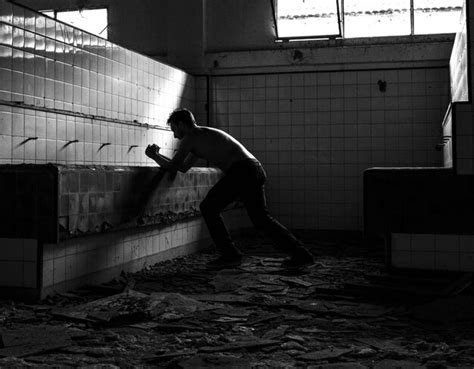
pixel 152 150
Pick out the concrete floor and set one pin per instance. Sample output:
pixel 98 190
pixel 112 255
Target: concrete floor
pixel 344 312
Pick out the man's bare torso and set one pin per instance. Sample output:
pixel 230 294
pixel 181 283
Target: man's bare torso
pixel 215 146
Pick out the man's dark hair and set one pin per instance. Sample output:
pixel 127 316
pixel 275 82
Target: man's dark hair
pixel 182 115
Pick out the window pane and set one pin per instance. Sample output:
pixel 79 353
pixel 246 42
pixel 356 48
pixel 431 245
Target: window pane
pixel 90 20
pixel 437 16
pixel 367 18
pixel 301 18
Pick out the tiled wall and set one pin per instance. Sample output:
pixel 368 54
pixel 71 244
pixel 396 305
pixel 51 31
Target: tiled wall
pixel 18 262
pixel 54 202
pixel 60 84
pixel 38 137
pixel 459 62
pixel 433 251
pixel 76 261
pixel 201 98
pixel 446 142
pixel 29 203
pixel 463 151
pixel 461 81
pixel 97 259
pixel 68 97
pixel 69 264
pixel 315 133
pixel 92 200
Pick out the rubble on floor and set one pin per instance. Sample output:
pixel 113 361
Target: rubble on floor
pixel 346 311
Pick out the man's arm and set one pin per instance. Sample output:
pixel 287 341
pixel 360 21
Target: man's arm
pixel 152 152
pixel 189 162
pixel 182 161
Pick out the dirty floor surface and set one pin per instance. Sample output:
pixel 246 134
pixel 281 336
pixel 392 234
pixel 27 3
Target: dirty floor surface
pixel 346 311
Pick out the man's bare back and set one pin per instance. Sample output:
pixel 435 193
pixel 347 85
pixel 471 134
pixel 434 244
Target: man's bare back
pixel 215 146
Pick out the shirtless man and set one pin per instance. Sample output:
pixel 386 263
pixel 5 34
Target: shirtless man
pixel 243 179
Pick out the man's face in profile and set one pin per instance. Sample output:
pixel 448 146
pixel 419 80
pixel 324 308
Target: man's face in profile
pixel 177 130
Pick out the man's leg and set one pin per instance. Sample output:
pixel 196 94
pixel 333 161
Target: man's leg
pixel 222 194
pixel 255 202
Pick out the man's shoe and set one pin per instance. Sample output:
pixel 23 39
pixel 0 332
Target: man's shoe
pixel 300 259
pixel 225 261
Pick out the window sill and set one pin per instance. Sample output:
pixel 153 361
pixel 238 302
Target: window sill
pixel 367 41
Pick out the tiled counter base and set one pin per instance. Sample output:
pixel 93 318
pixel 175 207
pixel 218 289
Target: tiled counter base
pixel 417 200
pixel 449 252
pixel 99 258
pixel 65 226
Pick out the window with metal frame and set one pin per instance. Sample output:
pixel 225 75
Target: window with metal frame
pixel 91 20
pixel 328 19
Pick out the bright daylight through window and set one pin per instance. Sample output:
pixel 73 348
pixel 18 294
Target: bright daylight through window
pixel 306 19
pixel 91 20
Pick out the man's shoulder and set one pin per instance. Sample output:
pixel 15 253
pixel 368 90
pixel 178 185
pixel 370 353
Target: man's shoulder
pixel 205 133
pixel 204 129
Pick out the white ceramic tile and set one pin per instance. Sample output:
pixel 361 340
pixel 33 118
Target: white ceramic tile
pixel 6 78
pixel 11 249
pixel 447 260
pixel 5 147
pixel 51 150
pixel 423 260
pixel 71 270
pixel 423 242
pixel 48 251
pixel 48 273
pixel 5 121
pixel 401 242
pixel 447 243
pixel 466 243
pixel 30 250
pixel 11 273
pixel 18 123
pixel 466 261
pixel 81 264
pixel 59 270
pixel 401 259
pixel 30 274
pixel 40 151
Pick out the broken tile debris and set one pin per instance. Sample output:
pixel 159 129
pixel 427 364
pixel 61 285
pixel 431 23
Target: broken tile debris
pixel 330 353
pixel 347 311
pixel 215 361
pixel 23 341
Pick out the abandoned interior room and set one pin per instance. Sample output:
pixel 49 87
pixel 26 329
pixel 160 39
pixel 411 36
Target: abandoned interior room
pixel 325 219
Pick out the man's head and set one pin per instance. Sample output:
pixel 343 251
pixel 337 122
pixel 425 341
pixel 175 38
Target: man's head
pixel 180 120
